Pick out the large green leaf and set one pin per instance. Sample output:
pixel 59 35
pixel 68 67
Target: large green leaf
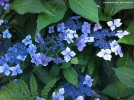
pixel 57 8
pixel 126 61
pixel 117 89
pixel 71 76
pixel 129 39
pixel 126 75
pixel 28 6
pixel 86 8
pixel 113 8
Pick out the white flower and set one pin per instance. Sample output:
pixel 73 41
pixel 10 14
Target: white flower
pixel 120 34
pixel 114 24
pixel 68 54
pixel 71 34
pixel 116 48
pixel 79 98
pixel 105 53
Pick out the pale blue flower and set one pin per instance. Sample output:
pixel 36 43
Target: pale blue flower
pixel 80 98
pixel 38 98
pixel 6 6
pixel 97 27
pixel 27 40
pixel 51 29
pixel 60 27
pixel 6 34
pixel 114 24
pixel 59 95
pixel 88 81
pixel 39 39
pixel 105 54
pixel 116 48
pixel 21 58
pixel 45 60
pixel 71 33
pixel 16 70
pixel 32 49
pixel 2 2
pixel 86 28
pixel 68 54
pixel 36 59
pixel 5 69
pixel 120 34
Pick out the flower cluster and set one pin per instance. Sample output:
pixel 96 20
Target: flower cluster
pixel 83 89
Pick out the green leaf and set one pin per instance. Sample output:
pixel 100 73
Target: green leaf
pixel 57 8
pixel 126 61
pixel 33 87
pixel 71 76
pixel 113 8
pixel 54 72
pixel 74 60
pixel 42 75
pixel 126 75
pixel 82 61
pixel 131 98
pixel 48 87
pixel 129 39
pixel 86 8
pixel 66 65
pixel 28 6
pixel 117 89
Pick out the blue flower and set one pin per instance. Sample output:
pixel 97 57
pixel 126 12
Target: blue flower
pixel 36 59
pixel 38 98
pixel 88 81
pixel 60 27
pixel 6 6
pixel 6 34
pixel 68 54
pixel 39 39
pixel 45 60
pixel 32 49
pixel 16 70
pixel 86 28
pixel 27 40
pixel 59 94
pixel 5 69
pixel 58 60
pixel 51 29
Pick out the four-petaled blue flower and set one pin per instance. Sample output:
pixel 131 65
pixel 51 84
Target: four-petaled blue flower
pixel 68 54
pixel 27 40
pixel 51 29
pixel 60 27
pixel 88 81
pixel 5 69
pixel 16 70
pixel 6 34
